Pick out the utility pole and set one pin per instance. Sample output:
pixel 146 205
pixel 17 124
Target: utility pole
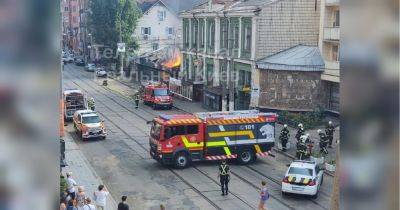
pixel 121 67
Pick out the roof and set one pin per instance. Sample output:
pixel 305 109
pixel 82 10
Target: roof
pixel 179 119
pixel 297 58
pixel 252 3
pixel 69 91
pixel 176 6
pixel 86 111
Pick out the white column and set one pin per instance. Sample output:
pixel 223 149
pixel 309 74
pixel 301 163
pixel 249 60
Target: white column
pixel 240 37
pixel 190 33
pixel 216 72
pixel 217 35
pixel 190 67
pixel 205 35
pixel 253 38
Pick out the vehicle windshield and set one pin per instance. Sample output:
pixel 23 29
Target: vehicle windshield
pixel 91 119
pixel 155 130
pixel 160 92
pixel 301 171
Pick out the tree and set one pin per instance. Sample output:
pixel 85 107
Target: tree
pixel 107 16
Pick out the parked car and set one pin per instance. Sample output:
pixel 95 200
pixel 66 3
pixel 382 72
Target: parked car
pixel 303 177
pixel 90 67
pixel 101 72
pixel 79 62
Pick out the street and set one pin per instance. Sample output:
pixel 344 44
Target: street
pixel 123 163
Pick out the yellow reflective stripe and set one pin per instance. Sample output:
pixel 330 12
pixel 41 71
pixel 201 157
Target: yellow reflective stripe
pixel 232 133
pixel 306 180
pixel 227 151
pixel 290 178
pixel 216 143
pixel 191 144
pixel 258 150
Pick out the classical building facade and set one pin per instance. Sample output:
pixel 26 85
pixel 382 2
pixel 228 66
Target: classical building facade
pixel 222 40
pixel 70 12
pixel 329 44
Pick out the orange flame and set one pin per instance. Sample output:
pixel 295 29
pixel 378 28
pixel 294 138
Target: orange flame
pixel 175 61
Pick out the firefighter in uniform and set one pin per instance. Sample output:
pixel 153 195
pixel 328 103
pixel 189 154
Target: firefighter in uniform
pixel 91 104
pixel 224 176
pixel 301 152
pixel 323 142
pixel 300 132
pixel 137 98
pixel 284 137
pixel 329 130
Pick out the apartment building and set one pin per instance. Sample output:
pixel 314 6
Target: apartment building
pixel 160 25
pixel 70 12
pixel 329 44
pixel 222 40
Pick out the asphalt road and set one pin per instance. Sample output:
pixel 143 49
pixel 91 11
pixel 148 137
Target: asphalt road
pixel 124 165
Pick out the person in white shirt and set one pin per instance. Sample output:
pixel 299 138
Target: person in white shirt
pixel 88 205
pixel 100 197
pixel 71 185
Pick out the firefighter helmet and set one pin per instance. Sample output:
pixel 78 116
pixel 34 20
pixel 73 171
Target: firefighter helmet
pixel 319 131
pixel 285 125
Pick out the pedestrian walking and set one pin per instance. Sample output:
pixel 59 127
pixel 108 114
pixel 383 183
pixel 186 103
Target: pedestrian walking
pixel 137 99
pixel 71 205
pixel 329 130
pixel 80 198
pixel 284 137
pixel 71 183
pixel 123 205
pixel 224 177
pixel 88 205
pixel 100 197
pixel 264 196
pixel 300 131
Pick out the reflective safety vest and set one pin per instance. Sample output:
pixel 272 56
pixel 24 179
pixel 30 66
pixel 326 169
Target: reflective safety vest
pixel 224 170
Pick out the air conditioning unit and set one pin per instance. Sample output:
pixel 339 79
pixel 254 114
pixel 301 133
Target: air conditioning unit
pixel 145 36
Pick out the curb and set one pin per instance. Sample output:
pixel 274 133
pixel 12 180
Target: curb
pixel 293 157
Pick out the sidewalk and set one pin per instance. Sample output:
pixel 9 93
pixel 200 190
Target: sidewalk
pixel 127 89
pixel 82 172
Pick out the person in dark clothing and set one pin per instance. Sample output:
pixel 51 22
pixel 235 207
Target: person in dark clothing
pixel 284 137
pixel 300 132
pixel 123 205
pixel 323 142
pixel 329 130
pixel 224 176
pixel 137 98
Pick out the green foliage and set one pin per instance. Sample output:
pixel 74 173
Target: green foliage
pixel 309 119
pixel 332 162
pixel 63 184
pixel 107 16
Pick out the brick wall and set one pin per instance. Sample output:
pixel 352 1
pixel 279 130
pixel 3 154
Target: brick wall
pixel 290 90
pixel 287 23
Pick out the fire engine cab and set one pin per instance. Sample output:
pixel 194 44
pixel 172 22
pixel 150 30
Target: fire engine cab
pixel 157 95
pixel 241 135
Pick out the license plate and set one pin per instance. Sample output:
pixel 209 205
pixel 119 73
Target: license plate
pixel 298 188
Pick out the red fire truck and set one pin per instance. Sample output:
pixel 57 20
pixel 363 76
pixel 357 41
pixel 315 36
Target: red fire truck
pixel 241 135
pixel 157 95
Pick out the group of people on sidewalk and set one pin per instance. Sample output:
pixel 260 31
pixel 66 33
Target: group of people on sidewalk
pixel 72 200
pixel 304 144
pixel 224 178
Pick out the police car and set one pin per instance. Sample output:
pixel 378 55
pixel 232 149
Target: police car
pixel 303 177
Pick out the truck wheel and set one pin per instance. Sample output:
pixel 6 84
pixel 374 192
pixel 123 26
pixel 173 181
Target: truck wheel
pixel 245 157
pixel 181 160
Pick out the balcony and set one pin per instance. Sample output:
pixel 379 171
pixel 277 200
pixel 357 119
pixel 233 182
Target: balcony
pixel 332 2
pixel 332 71
pixel 332 34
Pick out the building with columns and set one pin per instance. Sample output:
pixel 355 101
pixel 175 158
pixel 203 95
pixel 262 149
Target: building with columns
pixel 223 39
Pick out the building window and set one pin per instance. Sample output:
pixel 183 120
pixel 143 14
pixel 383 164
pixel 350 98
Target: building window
pixel 209 74
pixel 186 33
pixel 335 52
pixel 74 9
pixel 211 34
pixel 66 9
pixel 169 32
pixel 244 79
pixel 336 22
pixel 195 32
pixel 161 15
pixel 154 46
pixel 146 30
pixel 224 33
pixel 236 36
pixel 247 38
pixel 201 33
